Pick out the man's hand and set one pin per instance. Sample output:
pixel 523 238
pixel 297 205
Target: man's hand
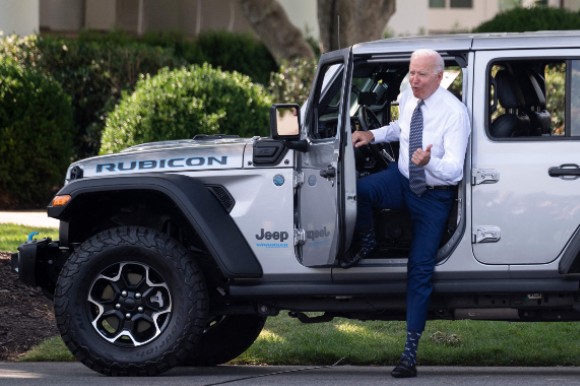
pixel 361 138
pixel 422 157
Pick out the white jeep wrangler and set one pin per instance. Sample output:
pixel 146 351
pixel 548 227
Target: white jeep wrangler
pixel 176 252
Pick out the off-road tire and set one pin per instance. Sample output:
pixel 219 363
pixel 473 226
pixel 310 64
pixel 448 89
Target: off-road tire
pixel 225 338
pixel 130 301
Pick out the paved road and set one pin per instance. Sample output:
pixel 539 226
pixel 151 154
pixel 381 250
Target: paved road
pixel 30 217
pixel 69 374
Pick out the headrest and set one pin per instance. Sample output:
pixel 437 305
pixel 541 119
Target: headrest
pixel 508 92
pixel 367 98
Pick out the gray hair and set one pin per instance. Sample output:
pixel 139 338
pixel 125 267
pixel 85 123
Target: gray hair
pixel 437 59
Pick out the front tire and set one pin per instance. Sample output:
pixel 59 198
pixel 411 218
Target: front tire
pixel 131 301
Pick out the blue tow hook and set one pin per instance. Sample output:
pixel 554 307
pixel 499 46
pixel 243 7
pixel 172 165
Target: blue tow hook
pixel 31 235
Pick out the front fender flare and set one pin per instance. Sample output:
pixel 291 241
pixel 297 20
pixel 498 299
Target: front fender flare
pixel 200 207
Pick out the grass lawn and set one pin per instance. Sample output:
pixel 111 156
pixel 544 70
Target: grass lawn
pixel 285 341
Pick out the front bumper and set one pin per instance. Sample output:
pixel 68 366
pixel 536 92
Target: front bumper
pixel 38 263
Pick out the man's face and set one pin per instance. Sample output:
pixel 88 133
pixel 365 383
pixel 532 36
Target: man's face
pixel 423 78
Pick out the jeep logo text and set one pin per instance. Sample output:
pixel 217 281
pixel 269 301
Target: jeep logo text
pixel 266 235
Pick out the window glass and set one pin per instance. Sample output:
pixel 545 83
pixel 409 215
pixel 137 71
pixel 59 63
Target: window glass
pixel 436 3
pixel 528 99
pixel 556 96
pixel 461 3
pixel 328 105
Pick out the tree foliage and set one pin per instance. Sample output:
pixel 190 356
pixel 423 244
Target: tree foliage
pixel 532 19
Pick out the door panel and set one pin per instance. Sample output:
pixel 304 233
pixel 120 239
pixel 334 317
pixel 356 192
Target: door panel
pixel 522 215
pixel 322 207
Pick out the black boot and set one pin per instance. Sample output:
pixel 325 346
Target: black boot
pixel 368 244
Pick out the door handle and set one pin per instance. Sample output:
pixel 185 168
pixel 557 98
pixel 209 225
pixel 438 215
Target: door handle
pixel 565 171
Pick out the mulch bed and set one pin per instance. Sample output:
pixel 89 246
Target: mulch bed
pixel 26 315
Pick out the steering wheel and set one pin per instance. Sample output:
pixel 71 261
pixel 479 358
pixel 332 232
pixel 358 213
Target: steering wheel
pixel 368 121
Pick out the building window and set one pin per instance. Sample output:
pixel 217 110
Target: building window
pixel 506 5
pixel 461 3
pixel 436 3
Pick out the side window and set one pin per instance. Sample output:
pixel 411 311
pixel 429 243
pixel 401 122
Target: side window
pixel 324 121
pixel 527 99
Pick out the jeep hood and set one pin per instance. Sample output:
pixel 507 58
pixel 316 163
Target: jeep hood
pixel 164 157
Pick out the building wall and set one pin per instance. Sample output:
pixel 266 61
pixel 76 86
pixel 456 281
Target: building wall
pixel 410 18
pixel 188 16
pixel 445 20
pixel 62 15
pixel 413 17
pixel 101 14
pixel 19 17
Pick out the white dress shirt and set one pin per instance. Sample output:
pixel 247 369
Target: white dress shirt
pixel 446 126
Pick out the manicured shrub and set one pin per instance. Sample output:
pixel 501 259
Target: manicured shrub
pixel 180 103
pixel 532 19
pixel 35 136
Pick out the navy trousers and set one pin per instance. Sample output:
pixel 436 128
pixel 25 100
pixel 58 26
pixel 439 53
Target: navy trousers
pixel 429 214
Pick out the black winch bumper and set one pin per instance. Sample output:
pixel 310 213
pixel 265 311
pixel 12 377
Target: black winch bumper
pixel 38 263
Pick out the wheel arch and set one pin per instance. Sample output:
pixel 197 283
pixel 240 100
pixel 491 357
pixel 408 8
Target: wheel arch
pixel 183 199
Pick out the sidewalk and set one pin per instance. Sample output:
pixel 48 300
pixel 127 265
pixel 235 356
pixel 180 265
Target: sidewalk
pixel 35 218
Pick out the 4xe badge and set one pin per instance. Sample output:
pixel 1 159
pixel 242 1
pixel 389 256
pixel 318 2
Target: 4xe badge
pixel 272 239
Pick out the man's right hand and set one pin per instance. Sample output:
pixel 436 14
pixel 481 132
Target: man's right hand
pixel 361 138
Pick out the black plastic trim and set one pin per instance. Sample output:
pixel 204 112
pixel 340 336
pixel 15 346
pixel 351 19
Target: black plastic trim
pixel 570 262
pixel 268 152
pixel 390 288
pixel 204 212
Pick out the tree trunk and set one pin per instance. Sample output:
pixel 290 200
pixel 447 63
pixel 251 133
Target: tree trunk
pixel 281 37
pixel 347 22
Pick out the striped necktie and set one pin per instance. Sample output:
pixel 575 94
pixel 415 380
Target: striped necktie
pixel 416 173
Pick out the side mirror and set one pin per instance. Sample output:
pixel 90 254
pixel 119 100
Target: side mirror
pixel 285 121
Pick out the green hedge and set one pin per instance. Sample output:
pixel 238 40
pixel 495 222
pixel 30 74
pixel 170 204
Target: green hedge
pixel 95 74
pixel 35 136
pixel 178 104
pixel 532 19
pixel 95 68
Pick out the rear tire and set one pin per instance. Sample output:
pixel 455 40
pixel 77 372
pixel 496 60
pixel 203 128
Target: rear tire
pixel 131 301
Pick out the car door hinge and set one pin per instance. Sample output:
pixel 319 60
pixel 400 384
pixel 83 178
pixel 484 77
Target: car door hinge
pixel 484 176
pixel 486 234
pixel 298 179
pixel 299 236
